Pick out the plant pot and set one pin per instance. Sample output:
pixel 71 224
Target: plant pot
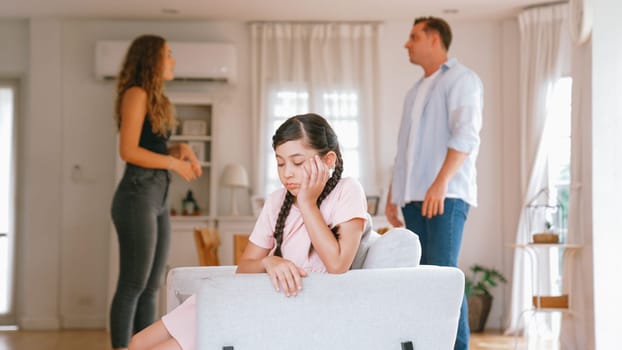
pixel 479 308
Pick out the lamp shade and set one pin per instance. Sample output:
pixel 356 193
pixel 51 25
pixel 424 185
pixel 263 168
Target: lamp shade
pixel 234 176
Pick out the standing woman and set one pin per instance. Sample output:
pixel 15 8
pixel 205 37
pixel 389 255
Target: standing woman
pixel 144 117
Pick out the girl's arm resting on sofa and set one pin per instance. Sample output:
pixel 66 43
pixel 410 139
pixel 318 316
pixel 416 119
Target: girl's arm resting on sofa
pixel 284 274
pixel 250 261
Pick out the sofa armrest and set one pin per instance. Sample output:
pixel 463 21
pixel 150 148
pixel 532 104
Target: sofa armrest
pixel 361 309
pixel 182 282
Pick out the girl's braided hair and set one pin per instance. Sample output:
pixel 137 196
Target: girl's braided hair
pixel 317 134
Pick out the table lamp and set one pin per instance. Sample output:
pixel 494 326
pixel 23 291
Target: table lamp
pixel 234 176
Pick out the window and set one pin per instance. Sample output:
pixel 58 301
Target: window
pixel 559 137
pixel 339 107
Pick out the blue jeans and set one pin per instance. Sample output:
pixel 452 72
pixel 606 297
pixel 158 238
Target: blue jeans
pixel 441 237
pixel 141 218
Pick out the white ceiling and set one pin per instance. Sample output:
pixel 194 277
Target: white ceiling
pixel 264 10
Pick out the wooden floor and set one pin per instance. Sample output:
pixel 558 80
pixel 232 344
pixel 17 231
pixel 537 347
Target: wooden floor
pixel 99 340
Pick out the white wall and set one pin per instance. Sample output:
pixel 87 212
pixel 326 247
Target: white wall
pixel 511 194
pixel 71 124
pixel 14 38
pixel 40 207
pixel 606 169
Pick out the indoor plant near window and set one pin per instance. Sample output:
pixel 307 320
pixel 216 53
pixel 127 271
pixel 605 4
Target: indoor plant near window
pixel 477 289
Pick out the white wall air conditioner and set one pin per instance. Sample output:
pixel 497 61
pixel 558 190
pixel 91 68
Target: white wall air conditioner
pixel 196 61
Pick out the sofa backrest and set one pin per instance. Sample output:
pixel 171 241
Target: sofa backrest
pixel 361 309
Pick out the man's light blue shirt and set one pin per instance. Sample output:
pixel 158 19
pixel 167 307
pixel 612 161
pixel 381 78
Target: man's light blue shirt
pixel 451 118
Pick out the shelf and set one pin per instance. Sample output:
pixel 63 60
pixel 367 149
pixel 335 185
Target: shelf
pixel 204 138
pixel 187 223
pixel 550 301
pixel 548 245
pixel 550 309
pixel 189 218
pixel 195 107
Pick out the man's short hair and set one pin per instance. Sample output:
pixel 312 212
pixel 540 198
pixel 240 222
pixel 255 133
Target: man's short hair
pixel 438 25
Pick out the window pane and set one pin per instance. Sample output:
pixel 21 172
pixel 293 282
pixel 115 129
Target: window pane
pixel 339 107
pixel 347 132
pixel 559 126
pixel 290 103
pixel 559 131
pixel 340 104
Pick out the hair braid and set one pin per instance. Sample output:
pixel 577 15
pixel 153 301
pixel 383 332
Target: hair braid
pixel 280 222
pixel 332 182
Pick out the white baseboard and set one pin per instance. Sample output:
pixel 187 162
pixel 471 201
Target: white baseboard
pixel 68 322
pixel 38 323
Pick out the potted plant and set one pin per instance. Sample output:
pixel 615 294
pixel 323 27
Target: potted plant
pixel 477 289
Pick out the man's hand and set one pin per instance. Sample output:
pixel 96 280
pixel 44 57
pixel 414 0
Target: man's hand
pixel 434 201
pixel 391 213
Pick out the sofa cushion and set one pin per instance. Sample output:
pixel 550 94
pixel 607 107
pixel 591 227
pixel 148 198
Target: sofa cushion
pixel 368 238
pixel 398 247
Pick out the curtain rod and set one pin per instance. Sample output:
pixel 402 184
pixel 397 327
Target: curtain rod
pixel 318 22
pixel 545 4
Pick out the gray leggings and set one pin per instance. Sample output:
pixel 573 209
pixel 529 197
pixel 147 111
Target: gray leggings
pixel 140 216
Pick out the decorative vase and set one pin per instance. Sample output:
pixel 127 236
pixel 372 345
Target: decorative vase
pixel 479 308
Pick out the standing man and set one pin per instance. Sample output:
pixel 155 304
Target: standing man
pixel 434 172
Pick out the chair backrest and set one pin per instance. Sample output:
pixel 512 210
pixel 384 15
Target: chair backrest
pixel 240 241
pixel 207 242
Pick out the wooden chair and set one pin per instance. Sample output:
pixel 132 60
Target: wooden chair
pixel 240 241
pixel 207 242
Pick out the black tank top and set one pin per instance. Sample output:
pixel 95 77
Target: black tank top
pixel 151 141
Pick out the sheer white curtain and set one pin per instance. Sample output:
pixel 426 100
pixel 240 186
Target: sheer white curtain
pixel 574 330
pixel 541 61
pixel 326 68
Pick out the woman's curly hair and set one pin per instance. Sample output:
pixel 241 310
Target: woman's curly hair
pixel 142 67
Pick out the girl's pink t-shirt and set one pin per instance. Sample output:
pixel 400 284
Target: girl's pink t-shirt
pixel 345 202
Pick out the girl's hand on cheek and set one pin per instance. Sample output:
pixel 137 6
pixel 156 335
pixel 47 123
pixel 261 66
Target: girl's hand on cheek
pixel 314 178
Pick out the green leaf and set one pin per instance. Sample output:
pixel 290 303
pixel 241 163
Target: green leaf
pixel 482 279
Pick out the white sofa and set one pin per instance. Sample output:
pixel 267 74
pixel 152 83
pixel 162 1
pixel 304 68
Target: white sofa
pixel 389 304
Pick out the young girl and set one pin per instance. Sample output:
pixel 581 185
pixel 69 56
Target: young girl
pixel 313 224
pixel 139 207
